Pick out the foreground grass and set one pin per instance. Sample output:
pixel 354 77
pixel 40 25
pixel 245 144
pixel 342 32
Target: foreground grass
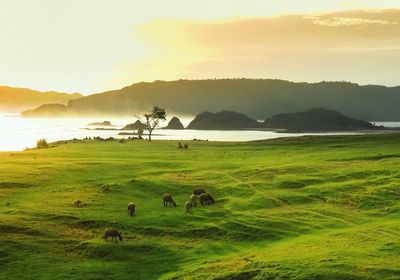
pixel 304 208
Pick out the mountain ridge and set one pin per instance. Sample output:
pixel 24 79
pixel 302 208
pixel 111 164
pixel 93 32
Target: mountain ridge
pixel 18 98
pixel 257 98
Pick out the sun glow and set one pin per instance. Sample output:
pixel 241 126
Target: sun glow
pixel 92 46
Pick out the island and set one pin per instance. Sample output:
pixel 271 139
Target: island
pixel 313 120
pixel 174 123
pixel 104 123
pixel 224 120
pixel 134 126
pixel 317 120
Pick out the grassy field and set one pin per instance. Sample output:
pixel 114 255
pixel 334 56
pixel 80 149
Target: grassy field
pixel 298 208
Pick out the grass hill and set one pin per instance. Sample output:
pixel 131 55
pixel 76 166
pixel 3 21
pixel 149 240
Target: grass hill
pixel 296 208
pixel 258 99
pixel 18 99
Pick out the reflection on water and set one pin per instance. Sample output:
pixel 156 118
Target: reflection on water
pixel 18 133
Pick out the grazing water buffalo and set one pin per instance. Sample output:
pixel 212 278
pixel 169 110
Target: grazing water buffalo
pixel 206 199
pixel 193 199
pixel 113 233
pixel 188 207
pixel 168 201
pixel 78 203
pixel 198 191
pixel 131 209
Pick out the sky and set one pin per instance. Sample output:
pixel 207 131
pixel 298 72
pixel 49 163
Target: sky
pixel 97 45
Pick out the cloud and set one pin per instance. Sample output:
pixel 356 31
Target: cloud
pixel 360 46
pixel 341 21
pixel 249 39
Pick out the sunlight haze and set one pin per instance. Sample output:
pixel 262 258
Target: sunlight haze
pixel 93 46
pixel 200 139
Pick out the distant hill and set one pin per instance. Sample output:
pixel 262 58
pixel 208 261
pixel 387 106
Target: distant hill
pixel 317 119
pixel 134 126
pixel 174 123
pixel 103 123
pixel 46 110
pixel 258 99
pixel 19 99
pixel 222 120
pixel 313 120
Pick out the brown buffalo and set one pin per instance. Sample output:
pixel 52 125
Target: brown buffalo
pixel 198 191
pixel 206 199
pixel 131 209
pixel 113 233
pixel 168 201
pixel 188 207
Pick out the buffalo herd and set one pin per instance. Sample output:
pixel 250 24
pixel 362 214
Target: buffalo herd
pixel 198 196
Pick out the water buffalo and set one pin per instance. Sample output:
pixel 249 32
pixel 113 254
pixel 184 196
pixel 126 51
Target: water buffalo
pixel 188 207
pixel 131 209
pixel 168 201
pixel 206 199
pixel 198 191
pixel 113 233
pixel 193 199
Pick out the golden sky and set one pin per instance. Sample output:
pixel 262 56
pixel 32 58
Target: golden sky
pixel 91 46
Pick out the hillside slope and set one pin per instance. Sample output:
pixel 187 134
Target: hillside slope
pixel 258 99
pixel 298 208
pixel 18 99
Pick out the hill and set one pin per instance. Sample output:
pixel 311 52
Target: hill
pixel 222 120
pixel 46 110
pixel 258 99
pixel 134 126
pixel 18 99
pixel 317 119
pixel 174 123
pixel 298 208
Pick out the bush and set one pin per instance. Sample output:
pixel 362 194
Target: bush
pixel 42 144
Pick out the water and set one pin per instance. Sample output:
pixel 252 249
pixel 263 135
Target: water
pixel 19 133
pixel 387 124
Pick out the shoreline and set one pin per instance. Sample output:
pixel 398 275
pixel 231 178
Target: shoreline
pixel 281 138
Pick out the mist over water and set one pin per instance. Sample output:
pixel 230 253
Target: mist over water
pixel 18 133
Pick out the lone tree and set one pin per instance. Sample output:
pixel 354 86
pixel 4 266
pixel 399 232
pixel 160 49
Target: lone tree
pixel 153 119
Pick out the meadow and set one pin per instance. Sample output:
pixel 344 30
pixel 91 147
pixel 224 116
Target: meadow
pixel 293 208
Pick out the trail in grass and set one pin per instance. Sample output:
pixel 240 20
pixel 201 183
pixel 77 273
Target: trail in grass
pixel 282 203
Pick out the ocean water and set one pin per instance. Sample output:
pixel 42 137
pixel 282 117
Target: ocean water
pixel 18 133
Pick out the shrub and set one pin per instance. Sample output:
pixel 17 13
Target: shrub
pixel 42 144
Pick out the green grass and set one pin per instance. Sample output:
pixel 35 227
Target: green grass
pixel 298 208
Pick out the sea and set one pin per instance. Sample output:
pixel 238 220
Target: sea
pixel 18 133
